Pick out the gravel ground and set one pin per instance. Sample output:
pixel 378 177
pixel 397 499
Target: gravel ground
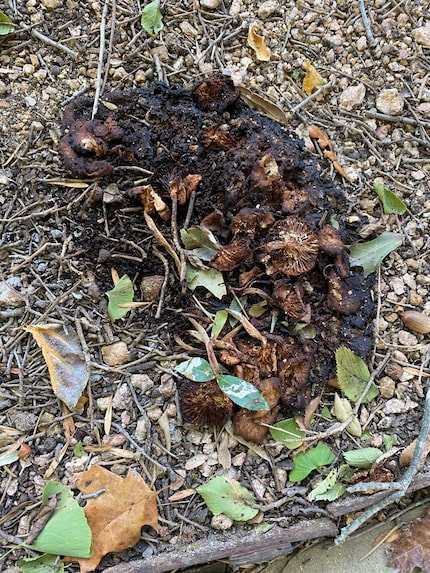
pixel 376 112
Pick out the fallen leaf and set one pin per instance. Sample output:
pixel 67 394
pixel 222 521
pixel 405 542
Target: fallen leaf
pixel 256 42
pixel 362 458
pixel 329 489
pixel 412 548
pixel 370 255
pixel 151 19
pixel 320 135
pixel 310 460
pixel 65 360
pixel 227 496
pixel 312 80
pixel 6 24
pixel 264 105
pixel 408 453
pixel 390 202
pixel 42 564
pixel 66 531
pixel 121 293
pixel 353 376
pixel 210 279
pixel 288 432
pixel 117 515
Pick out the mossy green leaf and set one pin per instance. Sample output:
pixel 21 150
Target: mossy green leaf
pixel 353 376
pixel 390 202
pixel 363 458
pixel 369 255
pixel 42 564
pixel 288 432
pixel 67 532
pixel 242 392
pixel 310 460
pixel 122 293
pixel 227 496
pixel 196 369
pixel 152 18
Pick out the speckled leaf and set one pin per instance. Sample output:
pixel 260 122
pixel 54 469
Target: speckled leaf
pixel 242 393
pixel 369 255
pixel 65 360
pixel 227 496
pixel 42 564
pixel 329 489
pixel 196 369
pixel 211 279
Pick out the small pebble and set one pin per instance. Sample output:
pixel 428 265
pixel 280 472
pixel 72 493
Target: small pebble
pixel 352 97
pixel 115 354
pixel 422 35
pixel 390 102
pixel 267 8
pixel 221 522
pixel 209 4
pixel 122 397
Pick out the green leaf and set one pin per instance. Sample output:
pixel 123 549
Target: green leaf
pixel 258 309
pixel 363 458
pixel 313 459
pixel 329 489
pixel 353 376
pixel 151 19
pixel 121 293
pixel 211 279
pixel 6 24
pixel 289 433
pixel 201 241
pixel 7 458
pixel 42 564
pixel 390 202
pixel 370 255
pixel 196 369
pixel 227 496
pixel 78 450
pixel 389 441
pixel 67 531
pixel 242 392
pixel 219 322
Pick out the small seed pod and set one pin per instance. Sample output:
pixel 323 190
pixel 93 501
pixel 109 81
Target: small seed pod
pixel 416 321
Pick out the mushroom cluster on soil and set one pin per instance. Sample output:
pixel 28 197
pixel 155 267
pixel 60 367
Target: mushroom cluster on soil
pixel 280 230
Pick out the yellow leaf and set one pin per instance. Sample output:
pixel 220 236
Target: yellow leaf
pixel 65 360
pixel 312 80
pixel 256 42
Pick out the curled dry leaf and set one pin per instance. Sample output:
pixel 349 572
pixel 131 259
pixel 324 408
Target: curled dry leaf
pixel 151 201
pixel 256 42
pixel 117 515
pixel 312 80
pixel 65 360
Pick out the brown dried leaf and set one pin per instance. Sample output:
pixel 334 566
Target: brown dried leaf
pixel 412 548
pixel 117 515
pixel 408 453
pixel 256 42
pixel 65 360
pixel 312 80
pixel 264 105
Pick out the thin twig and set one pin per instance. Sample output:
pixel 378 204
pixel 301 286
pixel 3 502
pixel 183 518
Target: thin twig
pixel 101 60
pixel 366 23
pixel 165 282
pixel 311 97
pixel 51 42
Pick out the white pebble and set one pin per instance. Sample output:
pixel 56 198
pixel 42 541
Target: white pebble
pixel 389 101
pixel 422 35
pixel 352 97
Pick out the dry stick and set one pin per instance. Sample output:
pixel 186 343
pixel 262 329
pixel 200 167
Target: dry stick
pixel 165 281
pixel 162 241
pixel 50 42
pixel 101 58
pixel 311 97
pixel 366 23
pixel 401 486
pixel 111 38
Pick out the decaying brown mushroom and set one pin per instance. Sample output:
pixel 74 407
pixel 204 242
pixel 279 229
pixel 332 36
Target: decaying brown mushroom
pixel 249 424
pixel 291 247
pixel 216 94
pixel 330 242
pixel 289 297
pixel 151 201
pixel 344 295
pixel 204 403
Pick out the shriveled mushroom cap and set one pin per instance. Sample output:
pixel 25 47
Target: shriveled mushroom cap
pixel 204 404
pixel 291 248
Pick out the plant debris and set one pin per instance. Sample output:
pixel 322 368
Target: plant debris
pixel 263 198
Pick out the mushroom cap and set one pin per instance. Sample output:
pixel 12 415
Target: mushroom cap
pixel 291 247
pixel 329 241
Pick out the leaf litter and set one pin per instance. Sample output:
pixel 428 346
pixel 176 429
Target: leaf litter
pixel 122 270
